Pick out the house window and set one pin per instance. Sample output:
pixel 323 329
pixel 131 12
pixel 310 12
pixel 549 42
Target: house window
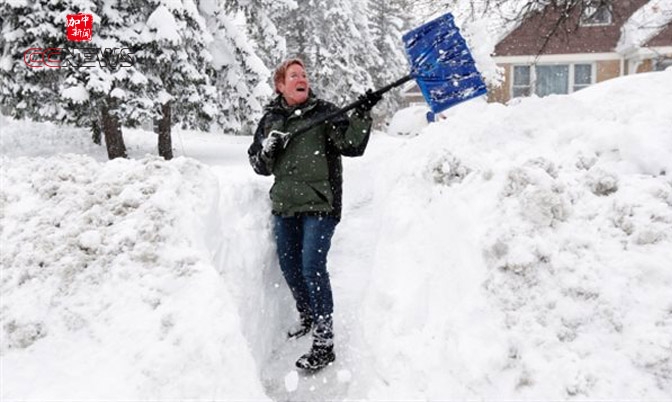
pixel 547 79
pixel 583 76
pixel 551 80
pixel 662 64
pixel 521 81
pixel 595 13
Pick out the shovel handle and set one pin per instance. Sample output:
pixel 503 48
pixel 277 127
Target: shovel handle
pixel 349 107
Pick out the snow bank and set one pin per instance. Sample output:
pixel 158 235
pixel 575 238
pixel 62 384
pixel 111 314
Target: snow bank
pixel 526 251
pixel 109 289
pixel 409 121
pixel 482 42
pixel 247 260
pixel 507 252
pixel 27 138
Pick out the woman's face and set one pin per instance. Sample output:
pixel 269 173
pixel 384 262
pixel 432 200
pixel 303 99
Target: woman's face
pixel 295 88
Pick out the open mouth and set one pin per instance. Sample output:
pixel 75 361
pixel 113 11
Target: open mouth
pixel 300 89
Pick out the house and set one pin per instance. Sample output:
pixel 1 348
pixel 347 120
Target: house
pixel 600 43
pixel 592 45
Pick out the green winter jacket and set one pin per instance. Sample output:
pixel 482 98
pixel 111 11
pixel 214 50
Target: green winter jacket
pixel 308 172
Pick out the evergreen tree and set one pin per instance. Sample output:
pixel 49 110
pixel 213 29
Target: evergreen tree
pixel 261 17
pixel 174 59
pixel 388 21
pixel 336 48
pixel 115 87
pixel 30 87
pixel 239 75
pixel 44 92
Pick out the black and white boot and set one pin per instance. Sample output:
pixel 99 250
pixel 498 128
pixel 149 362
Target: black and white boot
pixel 322 351
pixel 302 327
pixel 319 357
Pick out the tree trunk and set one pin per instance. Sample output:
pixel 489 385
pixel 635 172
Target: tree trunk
pixel 165 140
pixel 95 132
pixel 114 139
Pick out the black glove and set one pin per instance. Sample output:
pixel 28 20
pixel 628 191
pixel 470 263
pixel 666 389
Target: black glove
pixel 271 146
pixel 369 100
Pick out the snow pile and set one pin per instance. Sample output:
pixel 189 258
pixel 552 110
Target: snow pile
pixel 526 251
pixel 27 138
pixel 409 121
pixel 108 287
pixel 246 259
pixel 482 44
pixel 505 252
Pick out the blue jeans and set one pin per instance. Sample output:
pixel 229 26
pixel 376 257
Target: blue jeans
pixel 302 245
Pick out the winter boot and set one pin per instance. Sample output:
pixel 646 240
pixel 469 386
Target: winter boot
pixel 322 351
pixel 318 357
pixel 302 327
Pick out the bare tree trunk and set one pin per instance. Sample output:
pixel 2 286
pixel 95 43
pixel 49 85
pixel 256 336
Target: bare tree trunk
pixel 114 139
pixel 95 132
pixel 165 140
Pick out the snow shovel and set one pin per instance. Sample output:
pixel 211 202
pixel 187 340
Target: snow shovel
pixel 441 64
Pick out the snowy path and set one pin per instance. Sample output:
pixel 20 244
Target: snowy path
pixel 350 263
pixel 364 242
pixel 271 310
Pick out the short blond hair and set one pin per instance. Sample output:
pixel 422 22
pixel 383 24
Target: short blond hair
pixel 281 71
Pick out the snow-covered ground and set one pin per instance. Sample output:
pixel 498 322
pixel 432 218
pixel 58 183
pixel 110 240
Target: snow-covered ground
pixel 506 252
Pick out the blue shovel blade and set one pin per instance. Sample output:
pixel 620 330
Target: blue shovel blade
pixel 442 65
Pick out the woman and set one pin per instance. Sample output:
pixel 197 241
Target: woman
pixel 306 194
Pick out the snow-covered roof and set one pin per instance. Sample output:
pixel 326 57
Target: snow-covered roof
pixel 644 24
